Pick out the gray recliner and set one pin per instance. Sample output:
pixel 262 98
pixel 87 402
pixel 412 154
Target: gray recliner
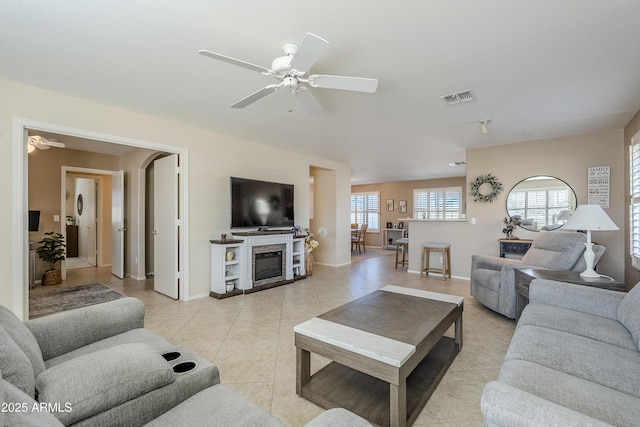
pixel 493 278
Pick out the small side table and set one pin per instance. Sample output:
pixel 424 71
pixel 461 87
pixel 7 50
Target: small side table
pixel 524 277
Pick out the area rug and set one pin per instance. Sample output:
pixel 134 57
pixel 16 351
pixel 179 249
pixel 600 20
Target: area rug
pixel 47 301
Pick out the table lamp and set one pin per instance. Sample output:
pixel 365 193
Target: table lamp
pixel 564 215
pixel 589 218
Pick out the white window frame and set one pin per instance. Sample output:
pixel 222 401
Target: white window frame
pixel 371 214
pixel 634 206
pixel 550 211
pixel 443 203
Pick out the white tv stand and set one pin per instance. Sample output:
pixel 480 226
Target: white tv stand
pixel 239 271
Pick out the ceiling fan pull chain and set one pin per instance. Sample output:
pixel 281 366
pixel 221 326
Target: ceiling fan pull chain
pixel 290 96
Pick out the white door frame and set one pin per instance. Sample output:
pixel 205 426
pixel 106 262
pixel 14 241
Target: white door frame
pixel 20 185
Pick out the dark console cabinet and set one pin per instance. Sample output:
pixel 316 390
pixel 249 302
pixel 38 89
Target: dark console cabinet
pixel 515 248
pixel 72 240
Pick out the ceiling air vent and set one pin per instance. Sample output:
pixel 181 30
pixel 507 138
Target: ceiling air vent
pixel 458 97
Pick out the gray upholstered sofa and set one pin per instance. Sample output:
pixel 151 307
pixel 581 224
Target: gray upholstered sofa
pixel 574 360
pixel 493 278
pixel 98 366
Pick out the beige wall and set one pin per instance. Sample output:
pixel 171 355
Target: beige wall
pixel 45 180
pixel 403 190
pixel 212 159
pixel 565 158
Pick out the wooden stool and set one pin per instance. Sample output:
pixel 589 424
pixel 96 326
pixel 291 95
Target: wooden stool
pixel 402 244
pixel 444 248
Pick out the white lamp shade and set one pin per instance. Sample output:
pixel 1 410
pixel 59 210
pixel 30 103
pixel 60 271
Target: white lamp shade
pixel 564 215
pixel 590 218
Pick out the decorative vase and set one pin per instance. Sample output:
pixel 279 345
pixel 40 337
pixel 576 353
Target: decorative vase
pixel 51 277
pixel 229 255
pixel 308 264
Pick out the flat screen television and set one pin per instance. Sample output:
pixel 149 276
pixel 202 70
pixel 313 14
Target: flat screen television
pixel 261 204
pixel 34 220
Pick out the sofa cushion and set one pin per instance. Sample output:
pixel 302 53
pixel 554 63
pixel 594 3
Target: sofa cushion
pixel 575 322
pixel 148 406
pixel 571 392
pixel 629 313
pixel 558 250
pixel 15 365
pixel 69 330
pixel 216 406
pixel 23 337
pixel 140 335
pixel 604 364
pixel 98 381
pixel 22 410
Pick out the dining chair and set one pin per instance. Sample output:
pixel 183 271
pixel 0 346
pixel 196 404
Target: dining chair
pixel 358 239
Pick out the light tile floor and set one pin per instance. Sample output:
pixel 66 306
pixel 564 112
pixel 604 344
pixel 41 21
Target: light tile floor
pixel 250 337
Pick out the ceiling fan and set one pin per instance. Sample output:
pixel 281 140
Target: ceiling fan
pixel 42 143
pixel 293 72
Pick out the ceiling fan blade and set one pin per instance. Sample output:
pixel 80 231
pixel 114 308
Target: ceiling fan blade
pixel 234 61
pixel 358 84
pixel 308 101
pixel 256 96
pixel 53 143
pixel 310 50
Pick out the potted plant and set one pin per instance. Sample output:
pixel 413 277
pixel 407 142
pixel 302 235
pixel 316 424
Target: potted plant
pixel 52 251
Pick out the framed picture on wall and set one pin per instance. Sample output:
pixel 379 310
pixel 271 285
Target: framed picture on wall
pixel 402 206
pixel 389 225
pixel 390 205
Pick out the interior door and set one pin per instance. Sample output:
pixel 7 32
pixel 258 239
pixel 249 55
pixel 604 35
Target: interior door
pixel 117 224
pixel 166 229
pixel 86 210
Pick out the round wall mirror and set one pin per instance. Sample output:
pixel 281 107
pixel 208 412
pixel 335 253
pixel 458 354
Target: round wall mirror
pixel 542 202
pixel 80 204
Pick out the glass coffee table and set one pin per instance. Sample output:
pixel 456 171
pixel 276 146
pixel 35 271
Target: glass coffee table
pixel 388 349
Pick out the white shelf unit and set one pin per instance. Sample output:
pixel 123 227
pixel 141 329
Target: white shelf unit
pixel 298 266
pixel 392 234
pixel 226 271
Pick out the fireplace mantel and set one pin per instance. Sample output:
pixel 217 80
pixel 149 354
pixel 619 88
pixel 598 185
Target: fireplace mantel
pixel 247 244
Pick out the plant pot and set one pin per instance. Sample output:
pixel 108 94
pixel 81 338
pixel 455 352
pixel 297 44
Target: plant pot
pixel 51 277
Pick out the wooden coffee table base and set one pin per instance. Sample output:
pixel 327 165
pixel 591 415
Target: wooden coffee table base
pixel 388 350
pixel 337 386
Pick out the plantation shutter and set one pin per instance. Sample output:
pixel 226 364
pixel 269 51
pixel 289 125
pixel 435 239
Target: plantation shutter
pixel 634 208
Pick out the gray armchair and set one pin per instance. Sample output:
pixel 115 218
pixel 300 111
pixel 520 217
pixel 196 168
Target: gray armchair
pixel 493 278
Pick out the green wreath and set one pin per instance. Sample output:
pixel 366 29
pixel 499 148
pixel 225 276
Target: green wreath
pixel 496 187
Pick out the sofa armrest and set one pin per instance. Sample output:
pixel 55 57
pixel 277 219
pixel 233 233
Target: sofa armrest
pixel 491 262
pixel 338 417
pixel 596 301
pixel 66 331
pixel 506 406
pixel 96 382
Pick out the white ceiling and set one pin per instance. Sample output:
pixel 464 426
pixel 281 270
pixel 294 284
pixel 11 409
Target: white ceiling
pixel 538 68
